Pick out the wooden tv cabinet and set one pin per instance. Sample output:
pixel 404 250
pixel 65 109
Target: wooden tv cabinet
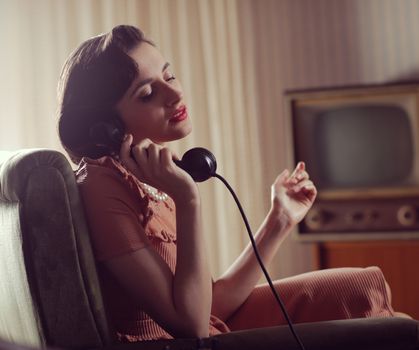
pixel 398 259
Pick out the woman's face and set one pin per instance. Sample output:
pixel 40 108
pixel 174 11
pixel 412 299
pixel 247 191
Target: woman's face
pixel 153 105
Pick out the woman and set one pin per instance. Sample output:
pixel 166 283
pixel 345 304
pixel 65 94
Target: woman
pixel 120 104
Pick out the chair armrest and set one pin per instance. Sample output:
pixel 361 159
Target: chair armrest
pixel 377 333
pixel 356 334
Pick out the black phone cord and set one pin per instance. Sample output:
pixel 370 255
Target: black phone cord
pixel 265 272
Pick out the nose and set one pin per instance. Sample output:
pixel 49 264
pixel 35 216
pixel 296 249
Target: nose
pixel 174 95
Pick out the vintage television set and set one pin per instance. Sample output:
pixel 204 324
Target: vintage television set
pixel 361 148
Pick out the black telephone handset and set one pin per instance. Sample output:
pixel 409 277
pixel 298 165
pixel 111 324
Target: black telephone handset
pixel 199 163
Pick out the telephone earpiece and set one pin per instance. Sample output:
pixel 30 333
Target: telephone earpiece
pixel 106 134
pixel 199 163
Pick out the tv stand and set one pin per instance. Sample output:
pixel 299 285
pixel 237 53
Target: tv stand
pixel 398 259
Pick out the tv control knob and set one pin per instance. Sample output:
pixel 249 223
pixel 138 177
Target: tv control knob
pixel 315 219
pixel 372 215
pixel 407 215
pixel 356 218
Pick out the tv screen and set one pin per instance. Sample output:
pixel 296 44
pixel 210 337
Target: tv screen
pixel 357 146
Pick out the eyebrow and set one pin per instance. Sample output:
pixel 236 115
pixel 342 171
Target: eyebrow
pixel 148 80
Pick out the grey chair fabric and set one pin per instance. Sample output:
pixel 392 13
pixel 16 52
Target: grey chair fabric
pixel 39 185
pixel 43 233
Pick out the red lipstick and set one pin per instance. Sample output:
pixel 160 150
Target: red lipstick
pixel 180 114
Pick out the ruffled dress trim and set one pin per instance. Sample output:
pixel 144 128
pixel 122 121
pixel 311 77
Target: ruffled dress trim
pixel 149 205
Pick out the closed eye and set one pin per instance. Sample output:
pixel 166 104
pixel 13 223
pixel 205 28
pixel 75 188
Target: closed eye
pixel 148 97
pixel 147 94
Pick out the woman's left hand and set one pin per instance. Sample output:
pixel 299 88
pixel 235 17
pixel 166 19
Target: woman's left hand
pixel 292 195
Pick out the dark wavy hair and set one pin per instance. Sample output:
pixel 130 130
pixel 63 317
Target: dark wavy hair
pixel 93 79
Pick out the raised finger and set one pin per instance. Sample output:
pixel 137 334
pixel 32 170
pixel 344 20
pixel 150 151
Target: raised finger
pixel 299 167
pixel 125 150
pixel 302 185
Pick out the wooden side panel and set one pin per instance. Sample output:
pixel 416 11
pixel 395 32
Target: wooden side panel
pixel 399 261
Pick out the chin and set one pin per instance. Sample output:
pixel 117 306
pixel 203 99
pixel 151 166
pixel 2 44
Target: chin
pixel 182 133
pixel 175 136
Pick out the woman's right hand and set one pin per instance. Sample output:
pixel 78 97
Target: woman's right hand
pixel 153 164
pixel 179 300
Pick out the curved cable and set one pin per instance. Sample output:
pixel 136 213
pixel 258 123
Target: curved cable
pixel 265 272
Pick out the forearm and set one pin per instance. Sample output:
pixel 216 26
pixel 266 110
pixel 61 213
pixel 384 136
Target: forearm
pixel 234 286
pixel 192 280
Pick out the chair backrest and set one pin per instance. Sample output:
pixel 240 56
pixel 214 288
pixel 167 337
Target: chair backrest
pixel 49 288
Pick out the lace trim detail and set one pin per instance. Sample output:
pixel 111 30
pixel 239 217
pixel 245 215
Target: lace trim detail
pixel 138 188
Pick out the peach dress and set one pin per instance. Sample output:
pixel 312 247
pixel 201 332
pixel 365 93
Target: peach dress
pixel 123 218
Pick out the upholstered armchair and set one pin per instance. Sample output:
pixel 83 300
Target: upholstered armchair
pixel 50 294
